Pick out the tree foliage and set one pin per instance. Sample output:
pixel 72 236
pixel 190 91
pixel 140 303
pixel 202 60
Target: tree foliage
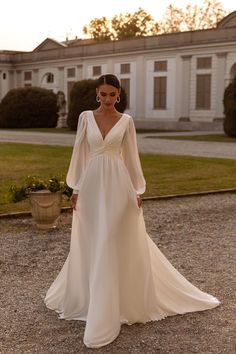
pixel 121 26
pixel 230 109
pixel 28 107
pixel 140 23
pixel 192 17
pixel 99 29
pixel 172 20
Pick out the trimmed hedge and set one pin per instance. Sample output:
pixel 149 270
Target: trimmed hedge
pixel 28 107
pixel 230 109
pixel 83 98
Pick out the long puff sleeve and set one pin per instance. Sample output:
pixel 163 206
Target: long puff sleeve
pixel 79 156
pixel 131 158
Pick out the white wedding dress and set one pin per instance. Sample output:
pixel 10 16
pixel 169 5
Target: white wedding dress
pixel 114 272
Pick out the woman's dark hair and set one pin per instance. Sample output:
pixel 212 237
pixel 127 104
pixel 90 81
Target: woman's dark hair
pixel 108 79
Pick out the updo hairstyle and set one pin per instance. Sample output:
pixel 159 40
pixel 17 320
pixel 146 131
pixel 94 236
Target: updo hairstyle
pixel 108 79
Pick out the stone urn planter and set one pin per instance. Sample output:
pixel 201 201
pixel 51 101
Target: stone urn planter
pixel 45 208
pixel 45 198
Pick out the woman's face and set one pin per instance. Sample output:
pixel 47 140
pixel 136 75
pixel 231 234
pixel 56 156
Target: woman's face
pixel 108 95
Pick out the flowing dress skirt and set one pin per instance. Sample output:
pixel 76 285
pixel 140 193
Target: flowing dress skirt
pixel 114 272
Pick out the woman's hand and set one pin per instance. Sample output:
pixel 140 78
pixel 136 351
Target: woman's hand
pixel 140 201
pixel 73 200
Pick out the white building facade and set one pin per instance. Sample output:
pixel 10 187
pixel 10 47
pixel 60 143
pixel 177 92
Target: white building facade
pixel 168 78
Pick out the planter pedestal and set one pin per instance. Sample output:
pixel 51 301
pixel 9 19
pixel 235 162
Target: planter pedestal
pixel 45 208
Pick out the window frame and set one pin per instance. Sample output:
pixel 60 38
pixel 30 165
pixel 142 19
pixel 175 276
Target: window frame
pixel 160 93
pixel 203 91
pixel 160 66
pixel 204 63
pixel 27 75
pixel 125 68
pixel 97 70
pixel 71 73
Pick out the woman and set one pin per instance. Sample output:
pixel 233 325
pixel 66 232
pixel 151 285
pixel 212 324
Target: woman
pixel 114 272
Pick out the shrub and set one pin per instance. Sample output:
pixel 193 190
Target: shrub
pixel 33 184
pixel 230 109
pixel 83 98
pixel 28 107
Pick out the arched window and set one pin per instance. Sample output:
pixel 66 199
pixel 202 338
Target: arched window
pixel 49 78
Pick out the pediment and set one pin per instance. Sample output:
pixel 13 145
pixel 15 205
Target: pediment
pixel 228 21
pixel 48 44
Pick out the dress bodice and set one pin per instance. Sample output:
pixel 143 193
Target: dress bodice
pixel 112 142
pixel 119 142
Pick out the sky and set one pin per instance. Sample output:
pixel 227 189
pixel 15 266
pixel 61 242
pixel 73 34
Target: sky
pixel 25 24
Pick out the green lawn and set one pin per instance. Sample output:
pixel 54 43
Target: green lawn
pixel 42 130
pixel 222 138
pixel 165 174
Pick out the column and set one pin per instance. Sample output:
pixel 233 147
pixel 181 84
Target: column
pixel 19 78
pixel 61 79
pixel 79 75
pixel 220 80
pixel 11 80
pixel 185 86
pixel 35 77
pixel 141 93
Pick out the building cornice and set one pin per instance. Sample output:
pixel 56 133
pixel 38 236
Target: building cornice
pixel 183 41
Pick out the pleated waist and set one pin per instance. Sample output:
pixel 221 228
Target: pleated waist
pixel 104 152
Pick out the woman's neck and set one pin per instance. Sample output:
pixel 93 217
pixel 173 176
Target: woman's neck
pixel 106 111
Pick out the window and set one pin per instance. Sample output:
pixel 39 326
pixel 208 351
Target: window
pixel 160 65
pixel 50 78
pixel 97 70
pixel 71 72
pixel 125 83
pixel 125 68
pixel 204 63
pixel 27 75
pixel 159 94
pixel 4 76
pixel 203 91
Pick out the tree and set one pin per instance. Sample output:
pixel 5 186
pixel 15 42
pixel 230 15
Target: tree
pixel 121 26
pixel 192 17
pixel 206 16
pixel 172 20
pixel 99 29
pixel 230 109
pixel 140 23
pixel 28 107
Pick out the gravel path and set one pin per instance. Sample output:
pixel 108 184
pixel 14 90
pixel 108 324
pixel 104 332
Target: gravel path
pixel 146 144
pixel 196 234
pixel 187 147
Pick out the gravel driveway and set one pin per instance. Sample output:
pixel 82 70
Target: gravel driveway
pixel 147 143
pixel 196 234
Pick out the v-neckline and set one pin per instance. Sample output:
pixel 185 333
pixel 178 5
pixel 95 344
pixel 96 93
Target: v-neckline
pixel 94 119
